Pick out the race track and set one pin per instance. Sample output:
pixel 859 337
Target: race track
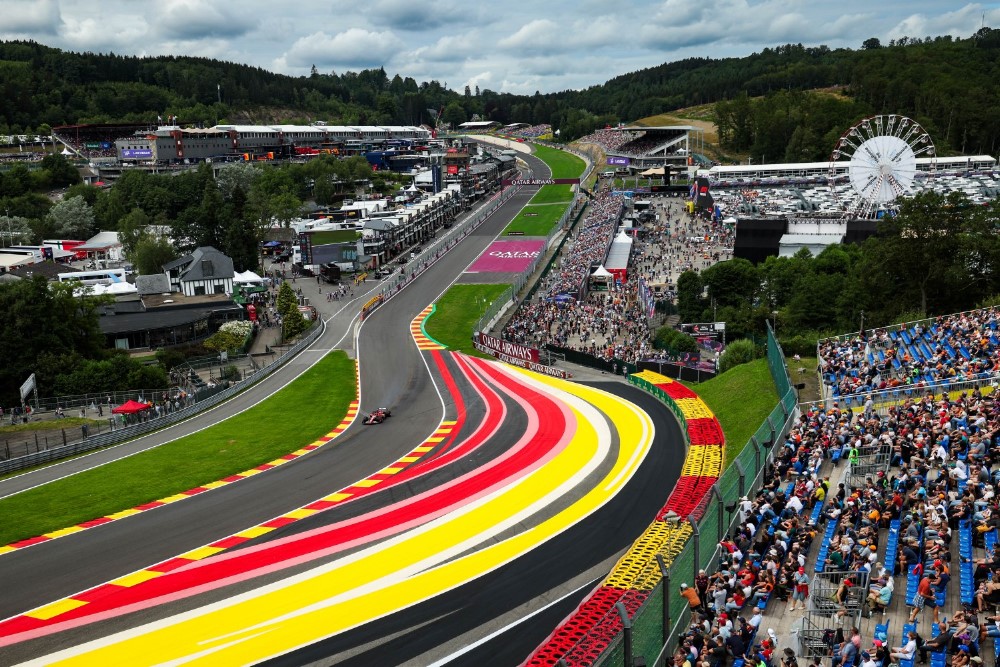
pixel 491 496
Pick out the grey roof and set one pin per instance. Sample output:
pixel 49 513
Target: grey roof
pixel 205 263
pixel 160 318
pixel 158 283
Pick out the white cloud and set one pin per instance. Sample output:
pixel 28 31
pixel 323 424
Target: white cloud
pixel 538 36
pixel 960 23
pixel 198 19
pixel 354 48
pixel 31 17
pixel 527 46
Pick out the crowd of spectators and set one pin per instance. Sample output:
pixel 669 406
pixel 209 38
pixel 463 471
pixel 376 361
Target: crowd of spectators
pixel 950 348
pixel 532 132
pixel 612 324
pixel 609 139
pixel 641 145
pixel 944 471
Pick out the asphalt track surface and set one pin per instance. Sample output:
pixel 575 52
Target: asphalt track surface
pixel 394 374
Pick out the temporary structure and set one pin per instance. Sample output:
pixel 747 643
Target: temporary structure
pixel 130 407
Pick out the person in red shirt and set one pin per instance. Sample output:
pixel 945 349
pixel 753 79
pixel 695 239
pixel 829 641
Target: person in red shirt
pixel 924 597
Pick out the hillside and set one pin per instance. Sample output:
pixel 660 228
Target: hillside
pixel 759 103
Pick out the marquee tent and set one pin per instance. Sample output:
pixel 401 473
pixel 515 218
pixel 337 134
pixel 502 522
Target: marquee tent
pixel 130 407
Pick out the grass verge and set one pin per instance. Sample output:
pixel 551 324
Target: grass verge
pixel 563 164
pixel 457 312
pixel 553 194
pixel 48 425
pixel 741 398
pixel 535 220
pixel 271 429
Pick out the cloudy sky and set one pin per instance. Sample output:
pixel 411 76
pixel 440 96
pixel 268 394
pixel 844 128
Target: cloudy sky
pixel 516 46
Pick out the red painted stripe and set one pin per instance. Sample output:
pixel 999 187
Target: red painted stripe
pixel 149 506
pixel 99 593
pixel 30 541
pixel 229 542
pixel 278 522
pixel 552 428
pixel 100 521
pixel 169 565
pixel 195 491
pixel 232 478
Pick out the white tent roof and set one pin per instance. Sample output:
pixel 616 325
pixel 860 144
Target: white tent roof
pixel 600 272
pixel 247 277
pixel 66 151
pixel 621 248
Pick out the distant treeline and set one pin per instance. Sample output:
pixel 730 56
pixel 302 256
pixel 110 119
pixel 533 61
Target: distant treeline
pixel 951 86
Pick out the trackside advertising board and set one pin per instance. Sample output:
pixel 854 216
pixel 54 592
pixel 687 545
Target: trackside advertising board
pixel 521 356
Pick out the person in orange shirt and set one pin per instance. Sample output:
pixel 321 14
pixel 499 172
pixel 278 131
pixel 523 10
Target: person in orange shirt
pixel 692 597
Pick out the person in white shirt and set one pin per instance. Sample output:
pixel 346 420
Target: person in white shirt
pixel 794 504
pixel 906 651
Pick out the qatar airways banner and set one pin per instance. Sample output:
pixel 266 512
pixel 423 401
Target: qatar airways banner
pixel 541 181
pixel 507 257
pixel 505 347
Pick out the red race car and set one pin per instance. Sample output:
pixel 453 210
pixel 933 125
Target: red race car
pixel 377 416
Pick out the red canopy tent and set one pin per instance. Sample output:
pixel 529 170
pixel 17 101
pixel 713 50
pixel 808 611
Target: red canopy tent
pixel 130 407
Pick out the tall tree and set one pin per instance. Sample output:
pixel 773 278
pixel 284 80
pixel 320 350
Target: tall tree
pixel 72 219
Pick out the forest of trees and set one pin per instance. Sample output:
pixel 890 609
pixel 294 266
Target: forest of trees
pixel 951 86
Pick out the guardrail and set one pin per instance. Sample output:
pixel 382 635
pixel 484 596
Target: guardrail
pixel 132 432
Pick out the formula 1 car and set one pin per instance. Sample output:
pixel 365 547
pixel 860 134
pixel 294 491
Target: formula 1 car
pixel 377 416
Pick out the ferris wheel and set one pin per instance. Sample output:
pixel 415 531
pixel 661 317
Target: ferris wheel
pixel 878 159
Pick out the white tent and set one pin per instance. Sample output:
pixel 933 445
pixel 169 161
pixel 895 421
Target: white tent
pixel 66 151
pixel 247 278
pixel 600 272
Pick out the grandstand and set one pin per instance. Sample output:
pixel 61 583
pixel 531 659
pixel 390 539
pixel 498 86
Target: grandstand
pixel 644 147
pixel 891 363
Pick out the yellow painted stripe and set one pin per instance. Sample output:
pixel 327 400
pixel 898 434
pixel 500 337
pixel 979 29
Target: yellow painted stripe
pixel 214 485
pixel 399 572
pixel 367 483
pixel 250 473
pixel 388 471
pixel 409 459
pixel 256 531
pixel 55 609
pixel 201 552
pixel 299 513
pixel 136 578
pixel 174 498
pixel 7 549
pixel 64 531
pixel 435 439
pixel 124 513
pixel 337 497
pixel 422 448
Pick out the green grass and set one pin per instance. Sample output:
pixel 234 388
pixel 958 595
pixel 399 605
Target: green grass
pixel 741 398
pixel 308 408
pixel 550 194
pixel 535 220
pixel 48 425
pixel 338 236
pixel 457 312
pixel 562 163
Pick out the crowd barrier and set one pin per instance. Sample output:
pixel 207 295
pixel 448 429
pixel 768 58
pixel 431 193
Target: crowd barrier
pixel 131 432
pixel 683 540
